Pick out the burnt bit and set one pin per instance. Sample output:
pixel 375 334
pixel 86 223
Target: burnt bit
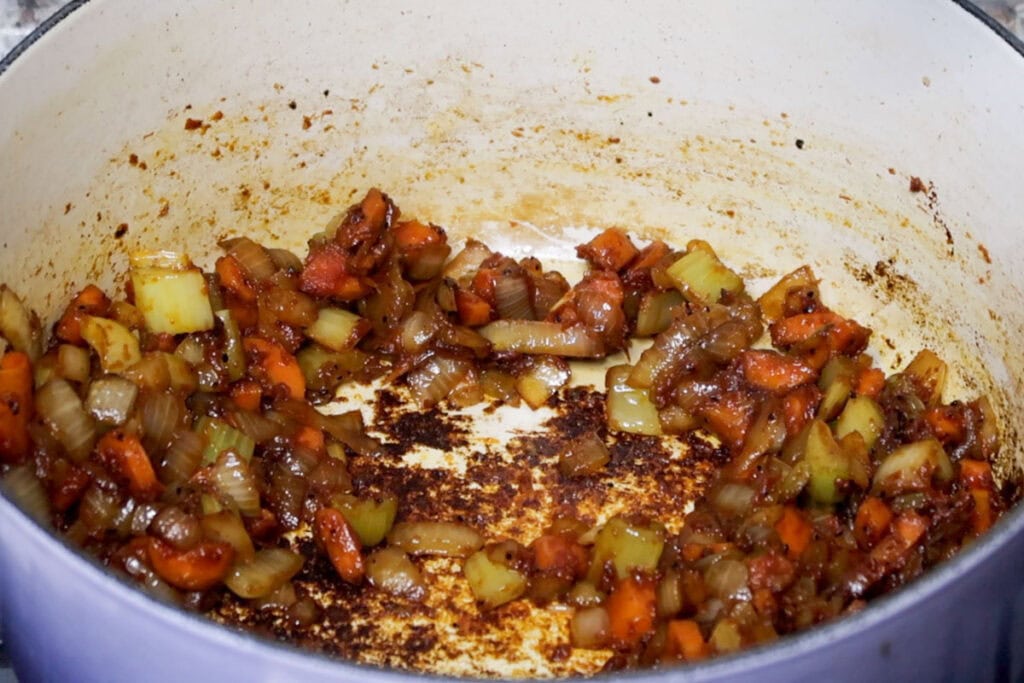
pixel 916 184
pixel 799 143
pixel 193 124
pixel 121 231
pixel 292 105
pixel 655 80
pixel 984 253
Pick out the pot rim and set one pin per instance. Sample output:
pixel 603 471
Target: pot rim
pixel 791 647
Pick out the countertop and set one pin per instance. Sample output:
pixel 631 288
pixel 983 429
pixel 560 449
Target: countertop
pixel 18 18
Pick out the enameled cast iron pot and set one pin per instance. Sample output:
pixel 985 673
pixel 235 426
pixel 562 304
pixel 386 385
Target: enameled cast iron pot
pixel 783 132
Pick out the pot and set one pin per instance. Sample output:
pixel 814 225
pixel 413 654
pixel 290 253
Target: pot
pixel 783 133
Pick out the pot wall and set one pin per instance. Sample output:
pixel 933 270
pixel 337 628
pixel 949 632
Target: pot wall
pixel 532 123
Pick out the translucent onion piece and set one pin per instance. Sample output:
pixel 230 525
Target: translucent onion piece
pixel 183 457
pixel 254 259
pixel 73 363
pixel 629 547
pixel 265 573
pixel 700 273
pixel 337 329
pixel 27 492
pixel 177 527
pixel 493 582
pixel 255 426
pixel 17 325
pixel 537 336
pixel 162 414
pixel 629 409
pixel 221 437
pixel 285 259
pixel 110 400
pixel 734 499
pixel 545 376
pixel 290 306
pixel 234 480
pixel 391 570
pixel 512 298
pixel 226 526
pixel 435 378
pixel 727 579
pixel 590 628
pixel 467 262
pixel 60 407
pixel 447 539
pixel 655 312
pixel 98 510
pixel 584 455
pixel 417 331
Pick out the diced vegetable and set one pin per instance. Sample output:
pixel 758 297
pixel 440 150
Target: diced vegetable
pixel 111 399
pixel 61 408
pixel 16 405
pixel 629 409
pixel 928 372
pixel 827 461
pixel 584 455
pixel 537 336
pixel 265 573
pixel 234 354
pixel 700 274
pixel 116 345
pixel 493 581
pixel 226 526
pixel 447 539
pixel 836 381
pixel 544 377
pixel 198 569
pixel 73 363
pixel 221 437
pixel 861 415
pixel 170 292
pixel 590 628
pixel 235 482
pixel 338 329
pixel 341 544
pixel 631 610
pixel 627 547
pixel 655 312
pixel 391 570
pixel 16 324
pixel 371 519
pixel 911 468
pixel 773 302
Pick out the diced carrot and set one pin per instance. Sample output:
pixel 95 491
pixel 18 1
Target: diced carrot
pixel 262 527
pixel 341 543
pixel 946 423
pixel 976 474
pixel 70 488
pixel 559 554
pixel 981 518
pixel 799 407
pixel 232 278
pixel 872 521
pixel 246 394
pixel 840 334
pixel 684 640
pixel 326 274
pixel 764 602
pixel 611 250
pixel 775 372
pixel 310 437
pixel 374 207
pixel 276 366
pixel 483 284
pixel 123 454
pixel 411 235
pixel 729 416
pixel 474 310
pixel 197 569
pixel 649 255
pixel 794 531
pixel 89 301
pixel 16 406
pixel 908 527
pixel 869 382
pixel 631 610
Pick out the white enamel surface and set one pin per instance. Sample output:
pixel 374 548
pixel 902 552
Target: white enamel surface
pixel 530 123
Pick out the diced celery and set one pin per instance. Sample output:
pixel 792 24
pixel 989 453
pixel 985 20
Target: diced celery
pixel 701 273
pixel 220 437
pixel 655 312
pixel 493 583
pixel 629 547
pixel 912 466
pixel 836 381
pixel 629 409
pixel 863 415
pixel 325 369
pixel 370 519
pixel 337 329
pixel 232 345
pixel 116 345
pixel 827 461
pixel 171 293
pixel 929 374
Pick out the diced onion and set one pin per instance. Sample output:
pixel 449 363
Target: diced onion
pixel 265 573
pixel 62 410
pixel 285 260
pixel 700 273
pixel 234 480
pixel 417 331
pixel 734 499
pixel 111 399
pixel 254 425
pixel 73 363
pixel 727 578
pixel 183 457
pixel 467 262
pixel 447 539
pixel 629 409
pixel 27 492
pixel 162 414
pixel 435 378
pixel 116 345
pixel 255 260
pixel 226 526
pixel 16 325
pixel 512 298
pixel 338 329
pixel 391 570
pixel 584 455
pixel 590 627
pixel 538 336
pixel 233 351
pixel 542 379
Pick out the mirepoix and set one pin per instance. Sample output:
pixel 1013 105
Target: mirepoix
pixel 172 430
